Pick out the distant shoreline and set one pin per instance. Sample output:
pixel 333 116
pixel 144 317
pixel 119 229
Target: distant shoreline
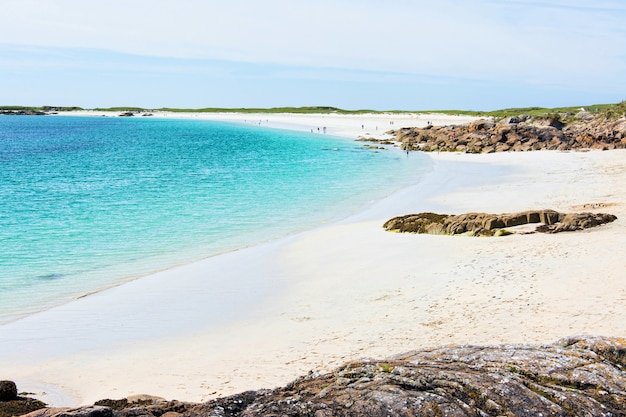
pixel 353 126
pixel 499 113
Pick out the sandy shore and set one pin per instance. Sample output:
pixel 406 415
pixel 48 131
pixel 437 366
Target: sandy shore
pixel 261 316
pixel 350 126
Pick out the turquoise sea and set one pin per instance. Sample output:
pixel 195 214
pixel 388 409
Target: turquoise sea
pixel 89 202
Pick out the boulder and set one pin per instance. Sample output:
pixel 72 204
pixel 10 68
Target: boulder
pixel 485 224
pixel 8 391
pixel 578 376
pixel 513 120
pixel 46 412
pixel 88 411
pixel 584 115
pixel 144 405
pixel 481 124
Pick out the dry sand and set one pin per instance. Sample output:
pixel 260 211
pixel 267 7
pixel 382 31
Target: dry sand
pixel 261 316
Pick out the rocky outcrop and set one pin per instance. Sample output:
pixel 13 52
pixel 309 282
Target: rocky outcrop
pixel 517 133
pixel 577 376
pixel 11 404
pixel 87 411
pixel 485 224
pixel 595 133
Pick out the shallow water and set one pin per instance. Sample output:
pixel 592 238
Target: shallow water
pixel 87 203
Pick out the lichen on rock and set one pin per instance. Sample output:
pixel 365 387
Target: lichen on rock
pixel 576 376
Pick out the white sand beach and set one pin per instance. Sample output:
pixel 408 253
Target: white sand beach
pixel 347 125
pixel 260 317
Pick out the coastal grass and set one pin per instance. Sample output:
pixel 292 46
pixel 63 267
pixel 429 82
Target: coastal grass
pixel 295 110
pixel 610 110
pixel 121 109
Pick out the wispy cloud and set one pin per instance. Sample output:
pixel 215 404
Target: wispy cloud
pixel 553 43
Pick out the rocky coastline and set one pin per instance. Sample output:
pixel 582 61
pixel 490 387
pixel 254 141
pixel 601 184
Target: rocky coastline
pixel 575 376
pixel 553 131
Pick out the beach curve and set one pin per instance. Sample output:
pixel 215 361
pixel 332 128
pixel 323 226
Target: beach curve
pixel 345 291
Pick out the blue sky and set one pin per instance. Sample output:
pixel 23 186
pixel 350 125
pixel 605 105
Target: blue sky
pixel 354 54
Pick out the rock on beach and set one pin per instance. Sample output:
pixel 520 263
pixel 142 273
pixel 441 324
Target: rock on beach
pixel 485 224
pixel 576 376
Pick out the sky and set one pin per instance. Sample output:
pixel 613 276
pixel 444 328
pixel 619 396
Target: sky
pixel 352 54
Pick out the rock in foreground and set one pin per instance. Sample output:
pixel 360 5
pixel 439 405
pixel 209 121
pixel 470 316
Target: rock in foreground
pixel 578 376
pixel 485 224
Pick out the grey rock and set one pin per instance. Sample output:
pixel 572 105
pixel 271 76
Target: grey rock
pixel 88 411
pixel 579 376
pixel 576 376
pixel 584 115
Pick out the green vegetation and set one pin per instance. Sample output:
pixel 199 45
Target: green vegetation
pixel 18 108
pixel 42 108
pixel 502 232
pixel 615 111
pixel 120 109
pixel 56 108
pixel 553 118
pixel 297 110
pixel 386 367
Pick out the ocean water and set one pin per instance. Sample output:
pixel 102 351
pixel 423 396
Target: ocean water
pixel 86 203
